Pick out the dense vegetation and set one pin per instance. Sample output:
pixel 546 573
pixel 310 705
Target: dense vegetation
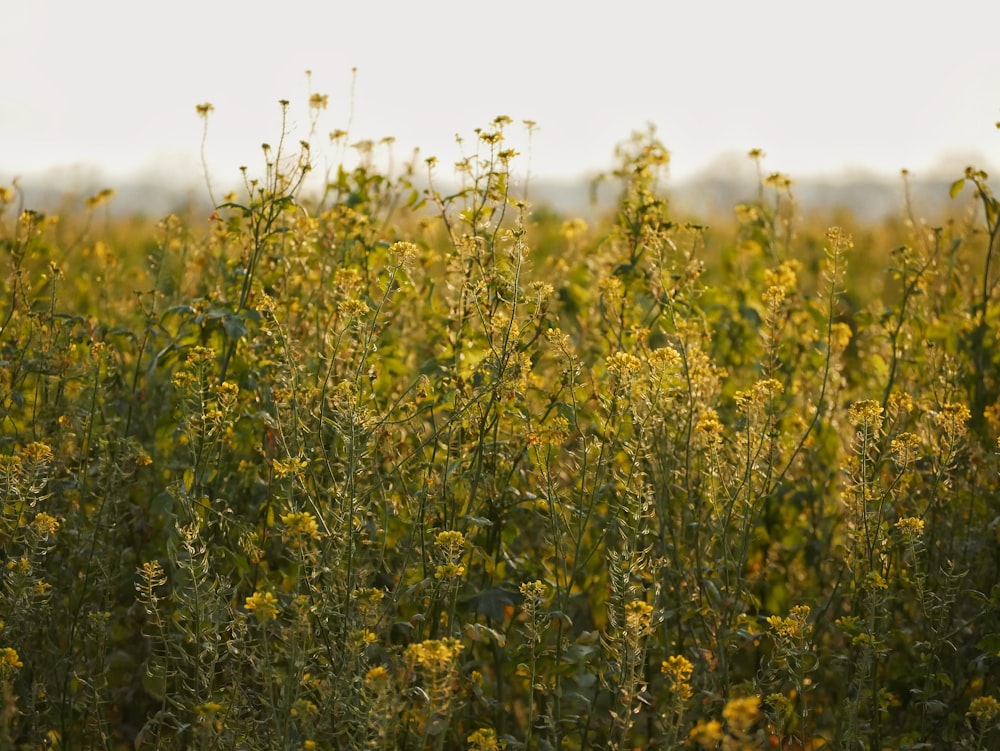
pixel 388 468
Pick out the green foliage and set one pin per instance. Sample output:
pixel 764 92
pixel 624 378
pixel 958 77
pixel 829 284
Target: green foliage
pixel 397 469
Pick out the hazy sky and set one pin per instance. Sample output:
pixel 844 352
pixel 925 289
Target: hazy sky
pixel 822 87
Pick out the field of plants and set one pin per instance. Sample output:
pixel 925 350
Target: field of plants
pixel 387 466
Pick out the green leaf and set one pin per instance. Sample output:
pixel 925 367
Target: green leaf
pixel 956 187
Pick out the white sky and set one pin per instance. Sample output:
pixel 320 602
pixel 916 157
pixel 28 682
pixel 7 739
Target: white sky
pixel 822 87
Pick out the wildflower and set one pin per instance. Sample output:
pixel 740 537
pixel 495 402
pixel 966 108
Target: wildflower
pixel 840 336
pixel 450 544
pixel 368 600
pixel 542 290
pixel 352 307
pixel 780 281
pixel 289 467
pixel 301 524
pixel 637 616
pixel 792 627
pixel 533 591
pixel 203 109
pixel 228 392
pixel 951 418
pixel 706 734
pixel 984 709
pixel 45 525
pixel 905 449
pixel 763 392
pixel 376 677
pixel 910 527
pixel 611 287
pixel 485 739
pixel 573 228
pixel 37 452
pixel 839 239
pixel 200 356
pixel 624 365
pixel 666 359
pixel 403 253
pixel 434 653
pixel 304 708
pixel 867 414
pixel 741 714
pixel 263 605
pixel 874 582
pixel 449 547
pixel 709 430
pixel 9 659
pixel 436 659
pixel 183 380
pixel 678 670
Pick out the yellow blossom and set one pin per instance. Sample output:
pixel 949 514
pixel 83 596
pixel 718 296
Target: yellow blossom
pixel 37 453
pixel 790 628
pixel 985 709
pixel 264 605
pixel 866 413
pixel 300 524
pixel 910 527
pixel 706 734
pixel 905 449
pixel 289 467
pixel 678 670
pixel 637 616
pixel 45 525
pixel 624 365
pixel 741 714
pixel 9 659
pixel 952 419
pixel 485 739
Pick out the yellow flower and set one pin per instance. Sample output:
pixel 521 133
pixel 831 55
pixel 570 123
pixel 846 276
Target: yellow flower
pixel 706 734
pixel 792 627
pixel 485 739
pixel 624 364
pixel 741 713
pixel 45 525
pixel 377 677
pixel 301 524
pixel 9 659
pixel 874 581
pixel 866 413
pixel 905 449
pixel 637 616
pixel 839 239
pixel 288 467
pixel 403 253
pixel 951 418
pixel 263 605
pixel 678 670
pixel 37 453
pixel 910 527
pixel 708 430
pixel 450 543
pixel 984 708
pixel 677 667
